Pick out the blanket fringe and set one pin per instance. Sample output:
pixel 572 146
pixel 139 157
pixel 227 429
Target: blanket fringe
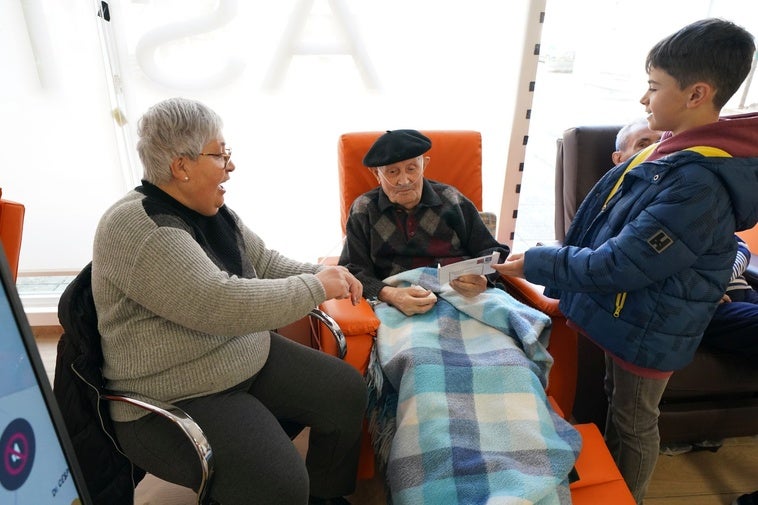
pixel 381 410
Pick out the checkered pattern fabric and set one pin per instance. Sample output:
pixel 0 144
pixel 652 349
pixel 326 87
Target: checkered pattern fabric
pixel 469 422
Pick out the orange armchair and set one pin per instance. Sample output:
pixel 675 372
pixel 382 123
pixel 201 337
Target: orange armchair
pixel 456 159
pixel 11 229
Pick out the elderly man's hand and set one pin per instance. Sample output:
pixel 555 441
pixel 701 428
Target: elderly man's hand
pixel 469 285
pixel 411 300
pixel 339 283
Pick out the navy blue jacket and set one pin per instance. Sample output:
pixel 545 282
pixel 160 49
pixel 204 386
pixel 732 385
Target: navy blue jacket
pixel 643 276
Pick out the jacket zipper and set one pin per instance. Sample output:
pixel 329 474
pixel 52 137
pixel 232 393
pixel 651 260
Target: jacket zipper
pixel 620 300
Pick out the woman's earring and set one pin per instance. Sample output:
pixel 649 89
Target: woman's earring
pixel 186 178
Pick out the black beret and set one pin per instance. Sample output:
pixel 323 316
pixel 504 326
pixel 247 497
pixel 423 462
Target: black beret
pixel 396 145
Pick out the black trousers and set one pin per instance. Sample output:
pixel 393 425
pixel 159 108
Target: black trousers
pixel 249 428
pixel 734 326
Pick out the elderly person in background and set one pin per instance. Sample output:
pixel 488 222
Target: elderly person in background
pixel 186 296
pixel 409 221
pixel 632 138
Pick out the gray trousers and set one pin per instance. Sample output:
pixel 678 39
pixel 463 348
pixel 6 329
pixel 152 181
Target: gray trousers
pixel 631 427
pixel 250 427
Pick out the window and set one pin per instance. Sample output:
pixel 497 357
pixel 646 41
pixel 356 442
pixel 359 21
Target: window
pixel 592 72
pixel 287 77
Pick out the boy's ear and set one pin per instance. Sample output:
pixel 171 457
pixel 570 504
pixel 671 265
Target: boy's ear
pixel 700 93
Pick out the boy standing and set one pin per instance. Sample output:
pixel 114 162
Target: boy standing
pixel 651 248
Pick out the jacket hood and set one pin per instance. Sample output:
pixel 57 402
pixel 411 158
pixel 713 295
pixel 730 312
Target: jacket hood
pixel 738 136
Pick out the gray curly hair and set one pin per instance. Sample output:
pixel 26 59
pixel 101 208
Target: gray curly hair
pixel 171 128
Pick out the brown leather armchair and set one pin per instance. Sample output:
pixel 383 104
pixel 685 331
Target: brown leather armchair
pixel 715 396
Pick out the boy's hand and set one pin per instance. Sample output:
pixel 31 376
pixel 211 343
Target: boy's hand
pixel 411 300
pixel 469 285
pixel 512 267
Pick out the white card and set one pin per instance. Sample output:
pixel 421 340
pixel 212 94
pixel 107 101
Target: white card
pixel 478 266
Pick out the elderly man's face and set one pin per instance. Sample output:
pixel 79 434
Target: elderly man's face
pixel 403 182
pixel 637 140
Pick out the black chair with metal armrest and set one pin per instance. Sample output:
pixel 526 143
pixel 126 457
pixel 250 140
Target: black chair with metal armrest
pixel 80 389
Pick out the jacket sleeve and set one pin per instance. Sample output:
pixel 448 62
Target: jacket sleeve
pixel 356 254
pixel 667 236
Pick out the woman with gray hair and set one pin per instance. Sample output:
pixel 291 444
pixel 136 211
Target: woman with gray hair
pixel 186 296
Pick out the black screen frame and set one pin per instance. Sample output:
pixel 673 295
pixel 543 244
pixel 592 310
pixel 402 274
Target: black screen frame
pixel 32 351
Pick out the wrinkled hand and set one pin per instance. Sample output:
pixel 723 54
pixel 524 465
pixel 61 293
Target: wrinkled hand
pixel 339 283
pixel 469 285
pixel 410 300
pixel 512 267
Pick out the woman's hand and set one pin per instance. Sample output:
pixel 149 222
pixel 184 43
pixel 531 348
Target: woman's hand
pixel 411 300
pixel 339 283
pixel 469 285
pixel 512 267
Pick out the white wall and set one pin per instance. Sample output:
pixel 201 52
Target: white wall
pixel 425 64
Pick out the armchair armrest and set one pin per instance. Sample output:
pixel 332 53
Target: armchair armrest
pixel 352 319
pixel 532 295
pixel 334 329
pixel 563 346
pixel 358 324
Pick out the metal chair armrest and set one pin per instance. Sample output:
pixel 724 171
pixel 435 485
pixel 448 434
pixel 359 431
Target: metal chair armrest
pixel 185 423
pixel 334 329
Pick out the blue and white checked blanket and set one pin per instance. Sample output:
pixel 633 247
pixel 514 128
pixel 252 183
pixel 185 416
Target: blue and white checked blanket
pixel 458 411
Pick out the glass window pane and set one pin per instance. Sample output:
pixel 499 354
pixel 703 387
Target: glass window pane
pixel 592 72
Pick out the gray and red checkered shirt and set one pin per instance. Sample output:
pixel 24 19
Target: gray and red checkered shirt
pixel 383 239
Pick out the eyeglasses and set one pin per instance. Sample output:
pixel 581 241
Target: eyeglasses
pixel 392 174
pixel 226 155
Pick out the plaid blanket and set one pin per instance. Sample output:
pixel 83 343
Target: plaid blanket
pixel 458 412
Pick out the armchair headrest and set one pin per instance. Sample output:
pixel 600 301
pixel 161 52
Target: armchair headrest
pixel 456 159
pixel 583 156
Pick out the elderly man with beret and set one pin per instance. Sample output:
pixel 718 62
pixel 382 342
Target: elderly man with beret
pixel 409 221
pixel 444 372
